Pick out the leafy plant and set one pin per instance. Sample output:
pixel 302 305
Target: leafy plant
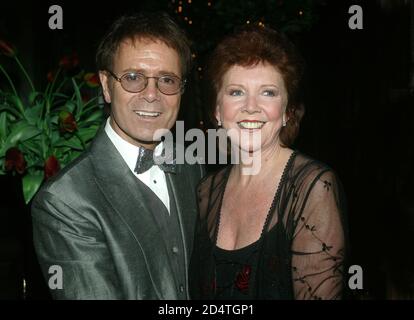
pixel 42 131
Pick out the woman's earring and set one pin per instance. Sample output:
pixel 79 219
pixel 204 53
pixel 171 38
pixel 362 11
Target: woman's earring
pixel 283 121
pixel 219 122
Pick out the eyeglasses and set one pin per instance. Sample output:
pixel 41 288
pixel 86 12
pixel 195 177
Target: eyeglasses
pixel 136 82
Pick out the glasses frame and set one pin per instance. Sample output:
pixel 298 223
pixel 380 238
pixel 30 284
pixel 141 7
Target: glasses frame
pixel 119 79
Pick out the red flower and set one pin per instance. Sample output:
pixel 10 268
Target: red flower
pixel 69 62
pixel 67 122
pixel 85 97
pixel 50 76
pixel 242 279
pixel 75 60
pixel 7 49
pixel 51 167
pixel 15 160
pixel 92 80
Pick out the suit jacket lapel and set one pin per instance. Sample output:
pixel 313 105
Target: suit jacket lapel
pixel 185 203
pixel 121 188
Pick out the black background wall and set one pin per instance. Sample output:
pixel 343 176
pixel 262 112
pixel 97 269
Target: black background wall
pixel 359 119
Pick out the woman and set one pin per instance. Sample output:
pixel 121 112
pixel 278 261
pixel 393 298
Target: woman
pixel 277 233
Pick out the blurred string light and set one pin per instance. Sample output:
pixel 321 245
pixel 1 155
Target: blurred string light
pixel 24 289
pixel 260 23
pixel 180 10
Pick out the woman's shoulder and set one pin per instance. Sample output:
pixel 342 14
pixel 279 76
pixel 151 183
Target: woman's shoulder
pixel 303 160
pixel 306 169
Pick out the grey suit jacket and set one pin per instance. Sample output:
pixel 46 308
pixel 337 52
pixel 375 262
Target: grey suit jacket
pixel 90 220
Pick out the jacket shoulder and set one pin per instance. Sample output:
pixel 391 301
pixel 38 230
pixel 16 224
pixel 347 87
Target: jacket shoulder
pixel 73 178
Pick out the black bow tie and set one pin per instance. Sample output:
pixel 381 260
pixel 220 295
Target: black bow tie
pixel 146 160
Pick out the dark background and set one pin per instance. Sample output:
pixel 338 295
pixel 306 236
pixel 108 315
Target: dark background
pixel 358 94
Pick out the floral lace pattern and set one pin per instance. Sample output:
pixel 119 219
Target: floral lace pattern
pixel 302 252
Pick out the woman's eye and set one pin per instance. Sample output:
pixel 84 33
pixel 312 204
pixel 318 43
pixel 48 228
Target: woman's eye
pixel 235 93
pixel 270 93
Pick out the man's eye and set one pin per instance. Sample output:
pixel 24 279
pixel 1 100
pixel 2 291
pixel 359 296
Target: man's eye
pixel 168 80
pixel 132 77
pixel 236 93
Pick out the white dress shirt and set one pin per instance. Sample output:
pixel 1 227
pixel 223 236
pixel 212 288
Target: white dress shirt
pixel 154 178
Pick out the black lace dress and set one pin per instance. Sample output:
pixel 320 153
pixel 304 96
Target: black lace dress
pixel 301 252
pixel 235 270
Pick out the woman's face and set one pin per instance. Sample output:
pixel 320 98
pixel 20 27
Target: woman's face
pixel 250 105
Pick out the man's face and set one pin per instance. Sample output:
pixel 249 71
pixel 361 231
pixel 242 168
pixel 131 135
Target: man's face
pixel 136 116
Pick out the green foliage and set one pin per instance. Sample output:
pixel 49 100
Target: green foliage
pixel 31 123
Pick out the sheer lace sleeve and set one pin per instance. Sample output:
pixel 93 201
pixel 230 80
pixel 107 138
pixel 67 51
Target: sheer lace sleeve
pixel 318 246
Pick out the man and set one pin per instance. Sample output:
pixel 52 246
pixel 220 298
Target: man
pixel 119 226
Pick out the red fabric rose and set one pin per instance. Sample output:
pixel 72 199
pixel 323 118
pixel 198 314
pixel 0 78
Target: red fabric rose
pixel 67 122
pixel 15 160
pixel 50 76
pixel 51 167
pixel 92 80
pixel 7 49
pixel 242 279
pixel 69 62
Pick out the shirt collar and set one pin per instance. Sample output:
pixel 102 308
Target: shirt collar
pixel 128 151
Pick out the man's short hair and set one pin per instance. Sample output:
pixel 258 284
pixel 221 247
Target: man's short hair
pixel 155 26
